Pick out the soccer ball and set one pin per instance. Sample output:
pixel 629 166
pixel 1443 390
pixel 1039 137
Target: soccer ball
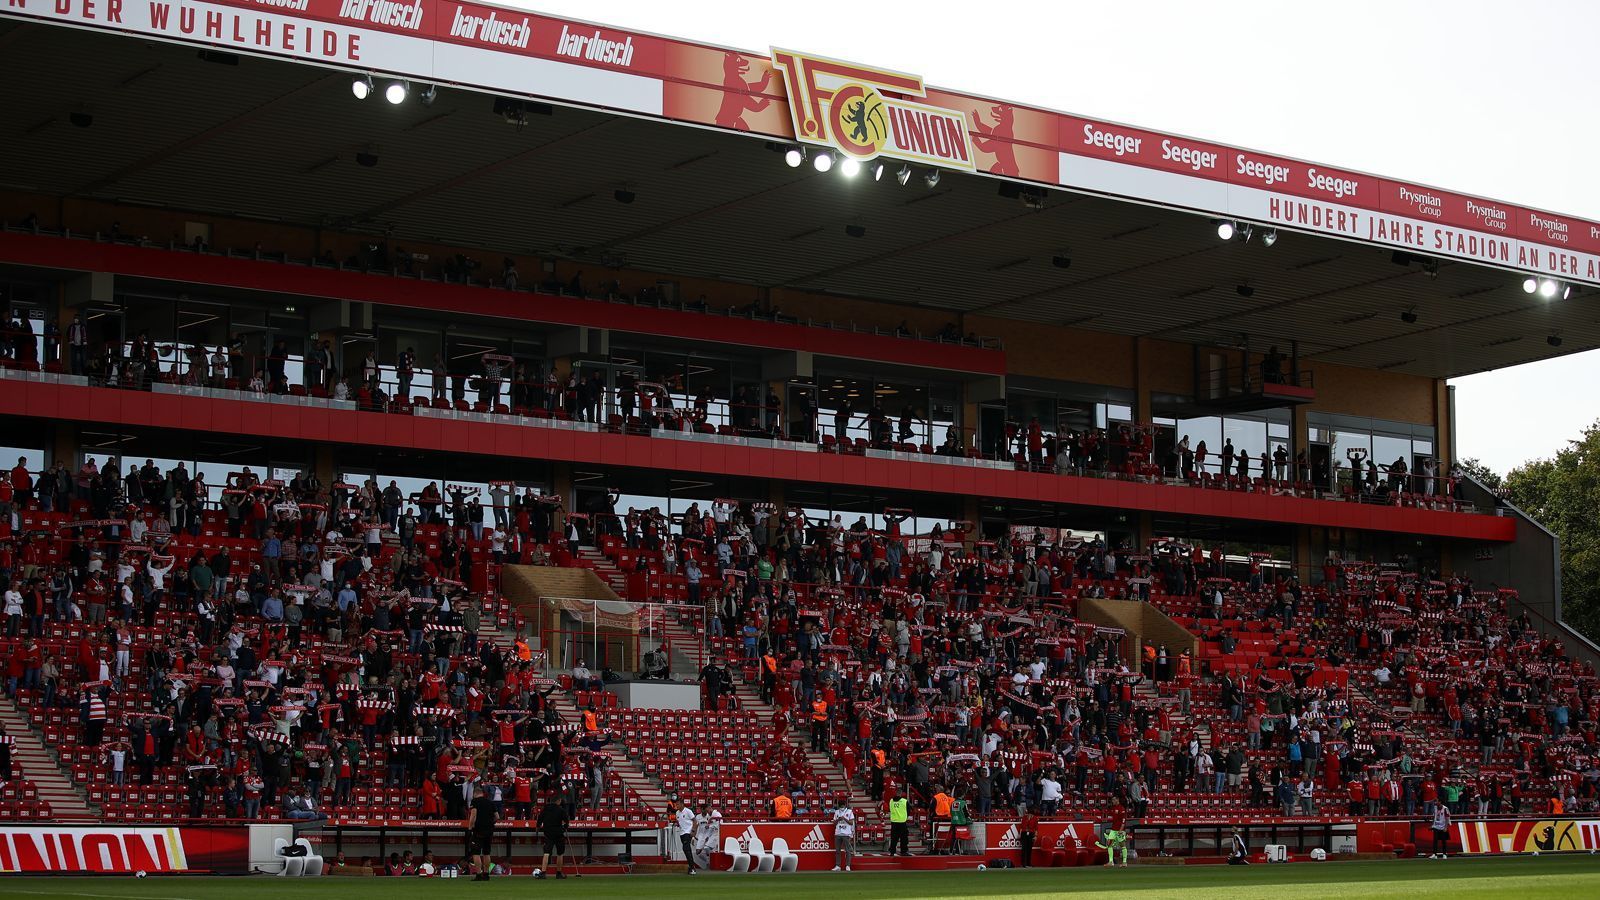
pixel 425 870
pixel 1319 854
pixel 981 867
pixel 139 874
pixel 538 872
pixel 1535 853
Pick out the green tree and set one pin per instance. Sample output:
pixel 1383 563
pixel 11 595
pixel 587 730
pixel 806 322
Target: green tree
pixel 1486 476
pixel 1563 495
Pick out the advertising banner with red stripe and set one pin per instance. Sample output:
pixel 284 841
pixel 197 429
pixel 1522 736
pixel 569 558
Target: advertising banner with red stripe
pixel 1529 835
pixel 1276 191
pixel 1005 838
pixel 811 841
pixel 120 849
pixel 862 111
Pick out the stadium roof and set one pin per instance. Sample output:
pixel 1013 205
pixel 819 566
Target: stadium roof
pixel 263 138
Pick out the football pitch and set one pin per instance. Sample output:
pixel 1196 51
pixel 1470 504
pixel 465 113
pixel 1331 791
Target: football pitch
pixel 1524 878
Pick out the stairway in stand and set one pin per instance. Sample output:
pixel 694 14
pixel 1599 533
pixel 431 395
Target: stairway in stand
pixel 1416 734
pixel 688 653
pixel 40 766
pixel 606 569
pixel 868 815
pixel 623 766
pixel 1182 722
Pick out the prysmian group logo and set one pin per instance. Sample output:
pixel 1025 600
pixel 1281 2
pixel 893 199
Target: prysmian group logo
pixel 865 112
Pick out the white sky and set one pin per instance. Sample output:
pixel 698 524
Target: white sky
pixel 1491 98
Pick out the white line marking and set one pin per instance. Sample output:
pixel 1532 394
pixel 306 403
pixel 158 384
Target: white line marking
pixel 103 895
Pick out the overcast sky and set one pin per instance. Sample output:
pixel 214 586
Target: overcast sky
pixel 1496 99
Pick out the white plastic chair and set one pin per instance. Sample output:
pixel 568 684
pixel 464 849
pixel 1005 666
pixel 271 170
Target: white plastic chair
pixel 741 859
pixel 760 859
pixel 313 859
pixel 293 866
pixel 787 861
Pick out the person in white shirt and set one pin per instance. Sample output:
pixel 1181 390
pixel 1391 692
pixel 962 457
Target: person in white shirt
pixel 1307 791
pixel 219 367
pixel 125 593
pixel 497 544
pixel 1049 795
pixel 117 756
pixel 1381 674
pixel 685 819
pixel 1205 769
pixel 13 611
pixel 844 835
pixel 1036 669
pixel 707 829
pixel 158 567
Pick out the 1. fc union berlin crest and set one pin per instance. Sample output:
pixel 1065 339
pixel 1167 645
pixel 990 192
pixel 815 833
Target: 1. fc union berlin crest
pixel 866 112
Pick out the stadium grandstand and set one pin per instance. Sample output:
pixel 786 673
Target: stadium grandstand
pixel 426 413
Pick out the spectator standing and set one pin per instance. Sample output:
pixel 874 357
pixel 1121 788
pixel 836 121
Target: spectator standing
pixel 1441 831
pixel 844 835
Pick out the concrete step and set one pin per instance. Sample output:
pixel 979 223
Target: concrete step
pixel 750 699
pixel 41 767
pixel 623 766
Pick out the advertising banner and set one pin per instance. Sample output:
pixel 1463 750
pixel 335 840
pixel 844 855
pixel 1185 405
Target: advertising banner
pixel 811 841
pixel 1529 835
pixel 123 849
pixel 1051 836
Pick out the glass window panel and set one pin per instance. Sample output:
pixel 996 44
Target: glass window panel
pixel 32 460
pixel 1345 441
pixel 1079 416
pixel 837 391
pixel 1021 408
pixel 1206 428
pixel 944 413
pixel 1386 450
pixel 1248 436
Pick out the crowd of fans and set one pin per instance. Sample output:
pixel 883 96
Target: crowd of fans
pixel 945 670
pixel 329 647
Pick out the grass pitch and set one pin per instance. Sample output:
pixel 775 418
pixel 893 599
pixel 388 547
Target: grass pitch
pixel 1523 878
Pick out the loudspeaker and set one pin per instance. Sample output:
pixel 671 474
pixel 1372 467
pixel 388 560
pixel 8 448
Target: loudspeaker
pixel 999 863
